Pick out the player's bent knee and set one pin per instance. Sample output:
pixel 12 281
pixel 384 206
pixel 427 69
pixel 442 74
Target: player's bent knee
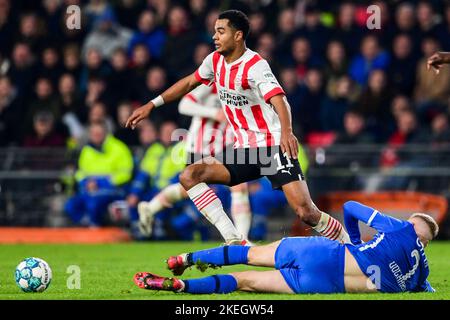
pixel 308 213
pixel 244 283
pixel 192 175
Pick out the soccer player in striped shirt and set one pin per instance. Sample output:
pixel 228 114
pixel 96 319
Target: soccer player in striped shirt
pixel 393 260
pixel 259 114
pixel 208 134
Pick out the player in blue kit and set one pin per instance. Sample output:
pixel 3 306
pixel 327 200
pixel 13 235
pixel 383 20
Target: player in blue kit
pixel 392 261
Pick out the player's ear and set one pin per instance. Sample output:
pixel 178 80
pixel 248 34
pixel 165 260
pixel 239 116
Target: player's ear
pixel 238 35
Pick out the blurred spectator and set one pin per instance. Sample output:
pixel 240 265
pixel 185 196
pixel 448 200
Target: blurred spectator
pixel 127 11
pixel 72 61
pixel 10 112
pixel 147 133
pixel 6 27
pixel 199 11
pixel 354 130
pixel 107 35
pixel 72 111
pixel 336 65
pixel 95 11
pixel 105 168
pixel 50 65
pixel 156 83
pixel 52 15
pixel 405 23
pixel 140 61
pixel 95 66
pixel 443 32
pixel 45 100
pixel 120 81
pixel 408 132
pixel 99 113
pixel 333 108
pixel 440 130
pixel 397 156
pixel 209 26
pixel 432 91
pixel 160 7
pixel 31 31
pixel 148 33
pixel 266 49
pixel 257 27
pixel 180 43
pixel 302 59
pixel 22 69
pixel 157 170
pixel 285 35
pixel 399 104
pixel 371 57
pixel 129 137
pixel 316 34
pixel 346 31
pixel 44 133
pixel 426 19
pixel 374 103
pixel 306 116
pixel 402 71
pixel 96 91
pixel 289 82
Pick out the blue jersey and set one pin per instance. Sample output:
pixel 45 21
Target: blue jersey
pixel 395 254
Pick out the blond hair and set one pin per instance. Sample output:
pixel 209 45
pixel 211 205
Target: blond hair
pixel 429 220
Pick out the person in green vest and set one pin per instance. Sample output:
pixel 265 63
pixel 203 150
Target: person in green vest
pixel 105 168
pixel 162 162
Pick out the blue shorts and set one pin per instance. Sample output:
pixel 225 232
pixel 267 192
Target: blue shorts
pixel 311 264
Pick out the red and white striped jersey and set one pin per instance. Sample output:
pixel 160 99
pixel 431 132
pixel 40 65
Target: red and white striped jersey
pixel 244 89
pixel 206 136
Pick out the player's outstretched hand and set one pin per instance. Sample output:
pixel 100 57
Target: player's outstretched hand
pixel 138 115
pixel 437 60
pixel 289 144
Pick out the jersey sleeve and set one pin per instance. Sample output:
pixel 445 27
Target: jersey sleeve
pixel 194 103
pixel 355 211
pixel 205 73
pixel 263 80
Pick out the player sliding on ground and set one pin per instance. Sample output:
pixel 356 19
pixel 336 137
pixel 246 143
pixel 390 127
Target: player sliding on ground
pixel 392 261
pixel 259 114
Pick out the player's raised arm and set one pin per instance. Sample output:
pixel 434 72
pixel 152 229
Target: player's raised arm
pixel 437 60
pixel 288 141
pixel 175 92
pixel 355 211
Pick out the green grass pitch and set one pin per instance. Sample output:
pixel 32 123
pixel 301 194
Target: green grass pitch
pixel 107 272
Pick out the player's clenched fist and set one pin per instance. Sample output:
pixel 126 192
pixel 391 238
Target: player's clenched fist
pixel 138 115
pixel 289 144
pixel 437 60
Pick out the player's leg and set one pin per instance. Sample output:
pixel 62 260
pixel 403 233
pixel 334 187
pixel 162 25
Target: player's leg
pixel 254 281
pixel 263 256
pixel 194 179
pixel 240 209
pixel 298 197
pixel 261 281
pixel 166 198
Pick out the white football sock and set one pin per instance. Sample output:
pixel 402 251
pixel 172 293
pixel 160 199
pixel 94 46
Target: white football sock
pixel 169 195
pixel 210 206
pixel 240 212
pixel 332 229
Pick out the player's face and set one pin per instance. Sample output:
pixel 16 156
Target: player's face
pixel 225 38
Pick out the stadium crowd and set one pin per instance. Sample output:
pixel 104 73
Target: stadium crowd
pixel 341 78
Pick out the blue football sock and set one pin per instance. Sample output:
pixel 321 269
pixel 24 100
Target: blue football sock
pixel 221 283
pixel 221 256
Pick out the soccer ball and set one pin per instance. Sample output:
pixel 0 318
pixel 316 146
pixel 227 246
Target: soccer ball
pixel 33 275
